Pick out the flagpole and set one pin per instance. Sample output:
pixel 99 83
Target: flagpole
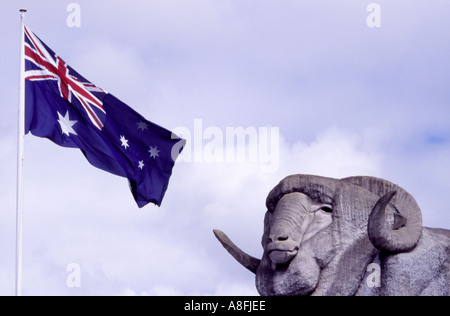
pixel 20 158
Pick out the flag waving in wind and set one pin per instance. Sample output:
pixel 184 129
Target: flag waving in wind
pixel 64 107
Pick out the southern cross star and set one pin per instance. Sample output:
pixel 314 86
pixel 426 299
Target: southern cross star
pixel 124 142
pixel 154 152
pixel 142 125
pixel 66 124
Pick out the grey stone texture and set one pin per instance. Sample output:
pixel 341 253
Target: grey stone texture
pixel 358 236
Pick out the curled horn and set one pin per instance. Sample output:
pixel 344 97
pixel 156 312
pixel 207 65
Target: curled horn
pixel 244 259
pixel 406 230
pixel 403 236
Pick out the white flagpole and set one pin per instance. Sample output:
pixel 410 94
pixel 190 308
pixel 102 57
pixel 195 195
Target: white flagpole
pixel 20 158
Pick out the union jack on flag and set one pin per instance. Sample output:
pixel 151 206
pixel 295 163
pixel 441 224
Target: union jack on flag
pixel 63 106
pixel 48 66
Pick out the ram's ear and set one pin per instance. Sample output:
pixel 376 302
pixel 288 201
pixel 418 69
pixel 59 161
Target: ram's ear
pixel 244 259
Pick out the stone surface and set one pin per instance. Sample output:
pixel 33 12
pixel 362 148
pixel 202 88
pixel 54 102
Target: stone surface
pixel 353 236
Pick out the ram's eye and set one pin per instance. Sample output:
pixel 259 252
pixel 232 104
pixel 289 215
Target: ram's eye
pixel 326 209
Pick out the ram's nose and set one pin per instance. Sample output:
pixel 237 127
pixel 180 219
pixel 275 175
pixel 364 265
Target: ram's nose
pixel 277 237
pixel 281 248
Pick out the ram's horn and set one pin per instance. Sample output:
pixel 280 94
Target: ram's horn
pixel 246 260
pixel 406 230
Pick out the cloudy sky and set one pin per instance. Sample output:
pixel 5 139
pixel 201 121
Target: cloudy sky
pixel 346 98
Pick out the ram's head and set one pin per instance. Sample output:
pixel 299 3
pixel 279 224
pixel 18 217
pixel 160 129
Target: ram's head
pixel 319 233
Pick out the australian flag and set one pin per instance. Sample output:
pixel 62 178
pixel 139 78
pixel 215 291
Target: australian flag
pixel 69 110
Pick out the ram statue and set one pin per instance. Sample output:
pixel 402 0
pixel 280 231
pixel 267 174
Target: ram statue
pixel 359 236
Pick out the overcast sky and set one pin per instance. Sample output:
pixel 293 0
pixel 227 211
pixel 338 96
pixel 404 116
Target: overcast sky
pixel 346 98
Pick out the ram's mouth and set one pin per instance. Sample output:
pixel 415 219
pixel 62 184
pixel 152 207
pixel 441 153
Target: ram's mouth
pixel 281 258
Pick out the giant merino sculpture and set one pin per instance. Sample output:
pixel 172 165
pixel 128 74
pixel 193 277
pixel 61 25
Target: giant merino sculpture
pixel 325 236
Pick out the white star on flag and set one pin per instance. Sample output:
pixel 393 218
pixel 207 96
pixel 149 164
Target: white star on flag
pixel 124 142
pixel 66 124
pixel 141 164
pixel 154 152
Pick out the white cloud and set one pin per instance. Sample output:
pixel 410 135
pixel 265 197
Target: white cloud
pixel 335 153
pixel 129 292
